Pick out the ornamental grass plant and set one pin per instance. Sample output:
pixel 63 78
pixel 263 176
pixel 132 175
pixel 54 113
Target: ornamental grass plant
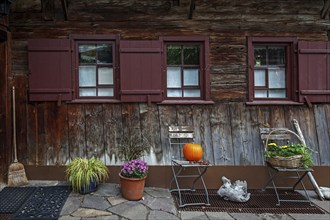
pixel 82 172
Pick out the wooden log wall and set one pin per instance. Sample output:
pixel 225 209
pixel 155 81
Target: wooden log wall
pixel 229 130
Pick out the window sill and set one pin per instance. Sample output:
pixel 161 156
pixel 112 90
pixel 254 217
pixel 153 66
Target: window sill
pixel 277 102
pixel 95 101
pixel 186 102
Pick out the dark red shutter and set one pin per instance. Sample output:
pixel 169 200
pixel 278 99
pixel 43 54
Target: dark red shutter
pixel 314 71
pixel 50 70
pixel 140 71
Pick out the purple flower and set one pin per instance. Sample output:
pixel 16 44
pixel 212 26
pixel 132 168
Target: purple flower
pixel 134 169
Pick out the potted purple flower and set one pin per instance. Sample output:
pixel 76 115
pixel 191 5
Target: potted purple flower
pixel 132 179
pixel 131 148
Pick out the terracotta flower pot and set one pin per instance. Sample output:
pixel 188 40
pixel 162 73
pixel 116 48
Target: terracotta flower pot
pixel 132 188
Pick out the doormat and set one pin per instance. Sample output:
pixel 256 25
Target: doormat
pixel 12 198
pixel 260 202
pixel 44 203
pixel 39 203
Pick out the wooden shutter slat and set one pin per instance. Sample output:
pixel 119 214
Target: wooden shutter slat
pixel 314 71
pixel 50 70
pixel 315 92
pixel 146 92
pixel 140 71
pixel 316 51
pixel 139 50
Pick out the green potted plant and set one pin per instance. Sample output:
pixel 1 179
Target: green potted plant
pixel 84 174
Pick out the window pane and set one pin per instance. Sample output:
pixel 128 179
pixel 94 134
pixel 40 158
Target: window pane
pixel 190 77
pixel 173 55
pixel 191 55
pixel 259 55
pixel 276 78
pixel 105 92
pixel 87 76
pixel 104 53
pixel 276 55
pixel 277 94
pixel 105 76
pixel 259 77
pixel 260 93
pixel 87 92
pixel 174 93
pixel 87 53
pixel 192 93
pixel 173 77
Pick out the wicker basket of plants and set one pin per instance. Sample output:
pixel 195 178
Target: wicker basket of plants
pixel 290 154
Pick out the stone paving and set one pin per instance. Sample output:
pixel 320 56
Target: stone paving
pixel 107 204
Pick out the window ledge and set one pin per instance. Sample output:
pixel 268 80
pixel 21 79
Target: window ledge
pixel 95 101
pixel 186 102
pixel 277 102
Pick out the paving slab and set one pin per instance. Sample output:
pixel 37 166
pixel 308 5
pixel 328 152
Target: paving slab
pixel 84 212
pixel 310 216
pixel 130 210
pixel 115 200
pixel 245 216
pixel 193 215
pixel 95 202
pixel 270 216
pixel 162 204
pixel 161 215
pixel 157 192
pixel 107 189
pixel 218 215
pixel 111 217
pixel 71 205
pixel 67 217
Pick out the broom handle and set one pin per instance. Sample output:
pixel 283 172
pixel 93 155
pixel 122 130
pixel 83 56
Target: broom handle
pixel 14 126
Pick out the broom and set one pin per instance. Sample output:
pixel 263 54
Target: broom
pixel 16 171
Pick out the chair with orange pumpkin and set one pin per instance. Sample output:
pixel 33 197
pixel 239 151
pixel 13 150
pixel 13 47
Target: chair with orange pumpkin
pixel 187 166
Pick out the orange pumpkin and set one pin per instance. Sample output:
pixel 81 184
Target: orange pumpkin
pixel 192 151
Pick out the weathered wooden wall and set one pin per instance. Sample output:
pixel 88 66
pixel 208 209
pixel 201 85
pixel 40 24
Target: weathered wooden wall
pixel 229 132
pixel 51 135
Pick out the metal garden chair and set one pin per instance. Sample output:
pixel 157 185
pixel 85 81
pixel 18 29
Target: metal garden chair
pixel 178 137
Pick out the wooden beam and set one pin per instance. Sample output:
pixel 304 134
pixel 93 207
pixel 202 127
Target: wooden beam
pixel 191 8
pixel 65 9
pixel 325 9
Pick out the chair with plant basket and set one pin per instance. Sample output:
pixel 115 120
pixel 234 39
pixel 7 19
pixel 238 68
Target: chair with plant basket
pixel 287 157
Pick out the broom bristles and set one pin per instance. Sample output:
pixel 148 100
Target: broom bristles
pixel 16 175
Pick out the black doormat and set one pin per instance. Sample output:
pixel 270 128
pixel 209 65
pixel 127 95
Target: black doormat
pixel 44 203
pixel 39 203
pixel 260 202
pixel 12 198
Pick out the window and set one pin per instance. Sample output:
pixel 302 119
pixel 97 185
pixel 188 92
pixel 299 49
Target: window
pixel 95 69
pixel 95 65
pixel 183 70
pixel 271 68
pixel 186 77
pixel 270 72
